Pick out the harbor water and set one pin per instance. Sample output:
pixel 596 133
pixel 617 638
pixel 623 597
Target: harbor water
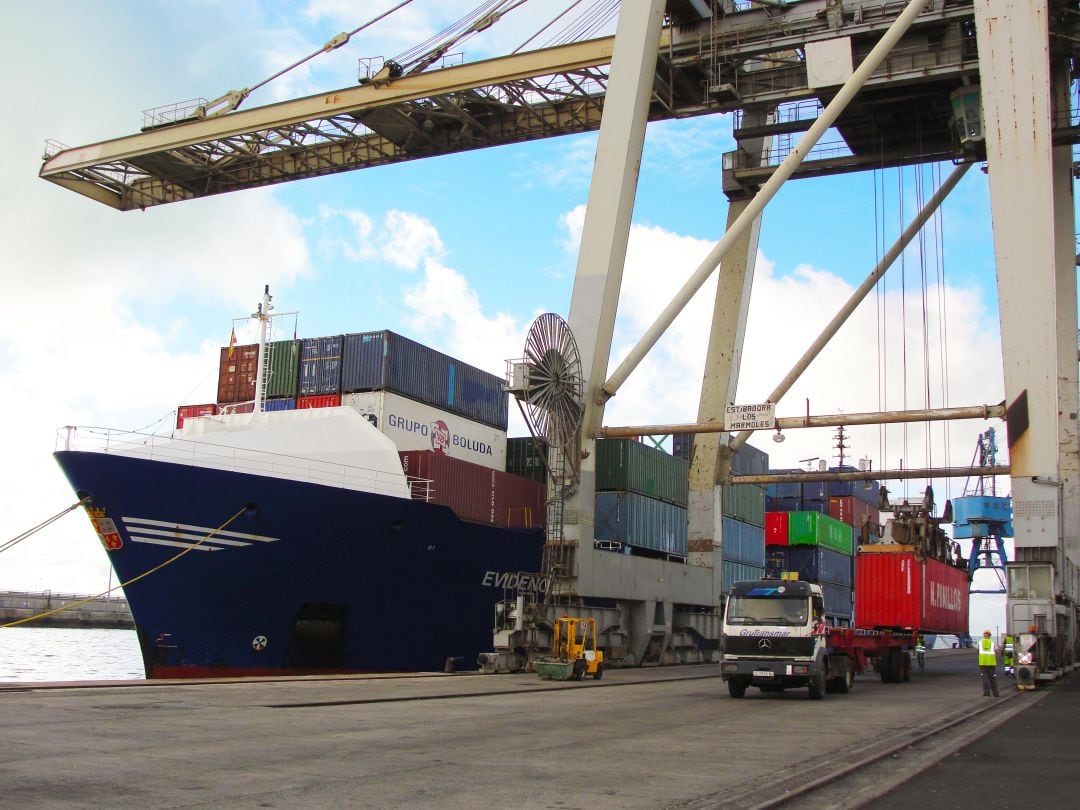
pixel 55 654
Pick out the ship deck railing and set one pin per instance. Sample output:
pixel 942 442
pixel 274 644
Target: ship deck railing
pixel 168 448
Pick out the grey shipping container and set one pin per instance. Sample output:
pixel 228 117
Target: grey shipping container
pixel 526 456
pixel 625 465
pixel 731 571
pixel 320 366
pixel 383 360
pixel 637 520
pixel 743 543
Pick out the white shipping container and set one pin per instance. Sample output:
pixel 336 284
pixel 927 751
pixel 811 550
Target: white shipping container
pixel 413 425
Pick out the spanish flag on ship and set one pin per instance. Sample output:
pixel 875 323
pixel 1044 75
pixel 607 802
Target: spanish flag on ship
pixel 232 342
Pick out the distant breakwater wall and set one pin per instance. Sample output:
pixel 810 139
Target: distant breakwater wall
pixel 109 612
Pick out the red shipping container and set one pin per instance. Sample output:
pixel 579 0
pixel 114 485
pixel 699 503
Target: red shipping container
pixel 191 411
pixel 318 401
pixel 853 512
pixel 895 589
pixel 236 374
pixel 776 528
pixel 477 493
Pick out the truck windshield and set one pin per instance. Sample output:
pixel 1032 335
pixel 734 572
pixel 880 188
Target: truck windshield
pixel 785 610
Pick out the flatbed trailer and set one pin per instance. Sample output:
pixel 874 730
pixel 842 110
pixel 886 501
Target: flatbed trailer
pixel 886 651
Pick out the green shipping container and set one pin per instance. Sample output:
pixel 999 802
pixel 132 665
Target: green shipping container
pixel 745 503
pixel 816 529
pixel 625 465
pixel 282 368
pixel 527 457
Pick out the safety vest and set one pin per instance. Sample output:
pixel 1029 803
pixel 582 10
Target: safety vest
pixel 987 657
pixel 920 647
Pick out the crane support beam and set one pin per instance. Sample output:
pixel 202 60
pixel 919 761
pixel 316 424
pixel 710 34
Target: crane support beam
pixel 1025 89
pixel 828 420
pixel 870 475
pixel 827 334
pixel 783 172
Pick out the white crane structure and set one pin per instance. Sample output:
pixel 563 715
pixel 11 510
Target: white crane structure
pixel 901 81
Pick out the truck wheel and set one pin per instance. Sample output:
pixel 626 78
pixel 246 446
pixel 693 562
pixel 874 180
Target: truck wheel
pixel 818 685
pixel 599 672
pixel 844 684
pixel 736 687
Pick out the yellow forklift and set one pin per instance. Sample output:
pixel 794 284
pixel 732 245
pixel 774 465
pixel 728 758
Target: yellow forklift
pixel 573 652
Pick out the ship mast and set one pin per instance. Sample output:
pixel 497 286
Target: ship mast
pixel 262 315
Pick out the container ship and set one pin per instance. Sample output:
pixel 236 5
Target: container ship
pixel 356 516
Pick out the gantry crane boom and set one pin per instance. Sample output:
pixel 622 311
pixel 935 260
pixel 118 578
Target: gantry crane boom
pixel 529 95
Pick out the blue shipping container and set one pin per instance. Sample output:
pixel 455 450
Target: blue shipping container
pixel 815 491
pixel 738 572
pixel 743 542
pixel 786 490
pixel 320 366
pixel 375 361
pixel 773 504
pixel 818 564
pixel 280 404
pixel 838 600
pixel 866 491
pixel 637 520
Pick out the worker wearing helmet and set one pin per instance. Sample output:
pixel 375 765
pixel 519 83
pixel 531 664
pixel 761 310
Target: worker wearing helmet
pixel 988 664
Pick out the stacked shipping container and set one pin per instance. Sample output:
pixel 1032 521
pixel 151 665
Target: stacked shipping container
pixel 641 496
pixel 811 532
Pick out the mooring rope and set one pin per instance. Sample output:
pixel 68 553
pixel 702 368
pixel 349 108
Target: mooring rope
pixel 20 537
pixel 143 575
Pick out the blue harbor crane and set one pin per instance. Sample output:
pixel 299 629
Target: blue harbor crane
pixel 984 517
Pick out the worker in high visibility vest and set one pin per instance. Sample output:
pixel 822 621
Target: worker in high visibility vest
pixel 1008 655
pixel 988 664
pixel 920 652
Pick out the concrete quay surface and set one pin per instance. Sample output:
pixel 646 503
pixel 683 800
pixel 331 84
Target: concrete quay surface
pixel 638 738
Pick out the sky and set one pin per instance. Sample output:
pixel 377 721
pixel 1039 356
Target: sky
pixel 113 319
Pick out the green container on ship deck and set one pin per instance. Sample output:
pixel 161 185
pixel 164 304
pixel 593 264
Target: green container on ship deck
pixel 283 368
pixel 625 465
pixel 816 529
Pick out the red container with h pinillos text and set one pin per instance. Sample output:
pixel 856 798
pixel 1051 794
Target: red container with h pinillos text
pixel 895 589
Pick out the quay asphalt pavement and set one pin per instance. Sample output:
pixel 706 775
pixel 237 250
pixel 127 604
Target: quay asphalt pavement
pixel 639 738
pixel 1030 760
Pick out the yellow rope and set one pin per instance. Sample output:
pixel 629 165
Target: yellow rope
pixel 144 574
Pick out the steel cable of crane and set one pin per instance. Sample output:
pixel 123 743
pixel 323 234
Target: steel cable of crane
pixel 939 246
pixel 419 57
pixel 340 40
pixel 587 22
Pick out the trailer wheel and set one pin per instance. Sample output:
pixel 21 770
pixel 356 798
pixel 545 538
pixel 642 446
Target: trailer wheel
pixel 736 687
pixel 905 667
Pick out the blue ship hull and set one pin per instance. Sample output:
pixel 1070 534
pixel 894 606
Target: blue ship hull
pixel 308 579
